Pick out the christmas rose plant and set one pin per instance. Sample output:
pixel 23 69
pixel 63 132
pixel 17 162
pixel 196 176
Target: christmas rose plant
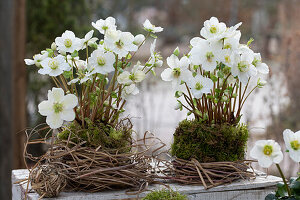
pixel 212 82
pixel 93 78
pixel 268 152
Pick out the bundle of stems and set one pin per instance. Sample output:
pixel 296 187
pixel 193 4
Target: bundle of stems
pixel 223 104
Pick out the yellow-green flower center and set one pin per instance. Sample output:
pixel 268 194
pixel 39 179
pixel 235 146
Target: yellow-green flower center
pixel 243 67
pixel 268 149
pixel 255 62
pixel 58 107
pixel 209 56
pixel 68 43
pixel 132 77
pixel 53 64
pixel 101 61
pixel 120 44
pixel 105 27
pixel 198 86
pixel 227 46
pixel 176 72
pixel 295 145
pixel 227 59
pixel 213 29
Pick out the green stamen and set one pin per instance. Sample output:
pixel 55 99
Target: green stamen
pixel 198 86
pixel 68 43
pixel 295 145
pixel 213 29
pixel 53 64
pixel 58 107
pixel 120 44
pixel 268 149
pixel 243 67
pixel 101 61
pixel 209 56
pixel 176 72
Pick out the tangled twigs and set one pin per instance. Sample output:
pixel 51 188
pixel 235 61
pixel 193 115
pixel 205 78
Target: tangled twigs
pixel 207 174
pixel 76 166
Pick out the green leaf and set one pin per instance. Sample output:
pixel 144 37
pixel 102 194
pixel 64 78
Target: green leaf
pixel 176 52
pixel 153 72
pixel 194 74
pixel 67 74
pixel 50 52
pixel 250 41
pixel 114 94
pixel 281 190
pixel 74 54
pixel 189 113
pixel 271 197
pixel 295 186
pixel 220 74
pixel 213 78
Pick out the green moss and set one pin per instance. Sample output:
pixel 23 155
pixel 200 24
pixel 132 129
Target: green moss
pixel 209 143
pixel 164 195
pixel 98 134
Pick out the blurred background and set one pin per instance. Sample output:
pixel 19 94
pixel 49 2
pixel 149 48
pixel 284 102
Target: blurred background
pixel 29 26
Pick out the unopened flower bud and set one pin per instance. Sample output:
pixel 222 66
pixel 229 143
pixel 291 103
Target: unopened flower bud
pixel 53 46
pixel 138 39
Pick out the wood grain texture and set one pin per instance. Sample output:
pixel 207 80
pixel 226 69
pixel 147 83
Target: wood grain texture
pixel 244 189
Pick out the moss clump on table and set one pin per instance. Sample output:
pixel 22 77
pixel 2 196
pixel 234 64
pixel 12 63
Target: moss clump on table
pixel 209 143
pixel 164 194
pixel 98 134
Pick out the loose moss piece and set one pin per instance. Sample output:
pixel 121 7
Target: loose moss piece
pixel 99 134
pixel 209 143
pixel 164 194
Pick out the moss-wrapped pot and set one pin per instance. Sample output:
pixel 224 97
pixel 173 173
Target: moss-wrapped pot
pixel 209 143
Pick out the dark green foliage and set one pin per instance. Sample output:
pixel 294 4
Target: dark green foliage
pixel 281 192
pixel 209 143
pixel 98 134
pixel 164 194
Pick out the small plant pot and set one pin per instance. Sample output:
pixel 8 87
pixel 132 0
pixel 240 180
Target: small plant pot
pixel 209 143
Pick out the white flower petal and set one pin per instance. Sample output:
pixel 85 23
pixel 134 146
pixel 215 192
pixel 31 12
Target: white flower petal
pixel 45 108
pixel 54 121
pixel 67 115
pixel 167 74
pixel 69 101
pixel 55 95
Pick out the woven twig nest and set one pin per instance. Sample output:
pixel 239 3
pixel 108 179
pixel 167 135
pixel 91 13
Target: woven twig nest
pixel 47 180
pixel 210 174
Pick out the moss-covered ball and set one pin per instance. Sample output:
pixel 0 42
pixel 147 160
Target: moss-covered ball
pixel 164 194
pixel 209 143
pixel 99 134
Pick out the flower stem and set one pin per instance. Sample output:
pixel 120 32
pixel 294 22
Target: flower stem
pixel 284 180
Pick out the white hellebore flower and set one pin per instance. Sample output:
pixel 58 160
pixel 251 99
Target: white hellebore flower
pixel 37 59
pixel 213 30
pixel 88 39
pixel 138 39
pixel 137 75
pixel 103 25
pixel 260 66
pixel 243 67
pixel 177 71
pixel 119 42
pixel 54 66
pixel 154 60
pixel 58 107
pixel 266 152
pixel 151 28
pixel 200 85
pixel 292 143
pixel 68 42
pixel 206 54
pixel 102 61
pixel 130 89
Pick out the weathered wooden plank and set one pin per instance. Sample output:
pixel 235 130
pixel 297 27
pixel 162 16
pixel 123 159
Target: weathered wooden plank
pixel 244 189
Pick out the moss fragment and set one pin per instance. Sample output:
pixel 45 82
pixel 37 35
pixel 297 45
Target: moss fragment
pixel 99 134
pixel 209 143
pixel 164 194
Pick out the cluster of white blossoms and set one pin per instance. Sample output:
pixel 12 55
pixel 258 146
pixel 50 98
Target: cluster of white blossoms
pixel 268 152
pixel 218 53
pixel 113 53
